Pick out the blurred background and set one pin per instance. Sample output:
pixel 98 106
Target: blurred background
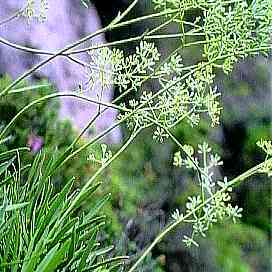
pixel 145 187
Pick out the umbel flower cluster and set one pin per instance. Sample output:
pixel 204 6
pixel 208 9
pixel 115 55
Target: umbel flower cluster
pixel 213 204
pixel 182 95
pixel 227 32
pixel 36 9
pixel 124 71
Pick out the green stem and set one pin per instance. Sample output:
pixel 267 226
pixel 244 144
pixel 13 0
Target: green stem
pixel 90 123
pixel 171 226
pixel 144 36
pixel 24 48
pixel 54 95
pixel 83 147
pixel 80 41
pixel 99 171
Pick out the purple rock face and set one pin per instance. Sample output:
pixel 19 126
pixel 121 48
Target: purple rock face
pixel 67 22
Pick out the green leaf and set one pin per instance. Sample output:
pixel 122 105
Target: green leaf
pixel 87 251
pixel 53 258
pixel 99 205
pixel 5 165
pixel 20 90
pixel 13 207
pixel 7 154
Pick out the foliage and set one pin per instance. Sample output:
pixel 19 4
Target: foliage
pixel 41 122
pixel 57 135
pixel 228 32
pixel 37 231
pixel 238 242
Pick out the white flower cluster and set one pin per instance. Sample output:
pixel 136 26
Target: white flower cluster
pixel 266 146
pixel 183 96
pixel 36 9
pixel 124 71
pixel 213 203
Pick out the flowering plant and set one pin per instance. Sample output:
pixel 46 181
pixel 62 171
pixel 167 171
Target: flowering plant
pixel 228 31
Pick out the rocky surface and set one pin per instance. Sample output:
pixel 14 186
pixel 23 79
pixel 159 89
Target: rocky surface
pixel 67 22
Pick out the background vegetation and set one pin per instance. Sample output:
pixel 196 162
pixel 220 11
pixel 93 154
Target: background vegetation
pixel 145 187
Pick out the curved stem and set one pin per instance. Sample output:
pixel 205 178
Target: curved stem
pixel 44 62
pixel 111 26
pixel 24 48
pixel 83 147
pixel 54 95
pixel 171 226
pixel 90 123
pixel 99 171
pixel 144 36
pixel 12 17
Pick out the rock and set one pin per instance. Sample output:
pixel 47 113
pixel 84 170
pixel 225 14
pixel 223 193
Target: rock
pixel 67 22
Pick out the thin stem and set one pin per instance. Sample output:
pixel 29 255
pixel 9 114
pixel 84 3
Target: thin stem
pixel 199 170
pixel 144 36
pixel 90 123
pixel 144 18
pixel 24 48
pixel 173 225
pixel 125 13
pixel 99 171
pixel 12 17
pixel 54 95
pixel 86 145
pixel 44 62
pixel 79 42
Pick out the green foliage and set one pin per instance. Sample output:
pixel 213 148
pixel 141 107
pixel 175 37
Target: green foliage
pixel 37 233
pixel 131 182
pixel 53 229
pixel 239 247
pixel 41 121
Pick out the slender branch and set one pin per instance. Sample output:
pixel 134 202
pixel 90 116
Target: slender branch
pixel 144 18
pixel 100 170
pixel 46 61
pixel 12 17
pixel 254 170
pixel 79 42
pixel 86 145
pixel 24 48
pixel 198 169
pixel 90 123
pixel 144 36
pixel 54 95
pixel 120 16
